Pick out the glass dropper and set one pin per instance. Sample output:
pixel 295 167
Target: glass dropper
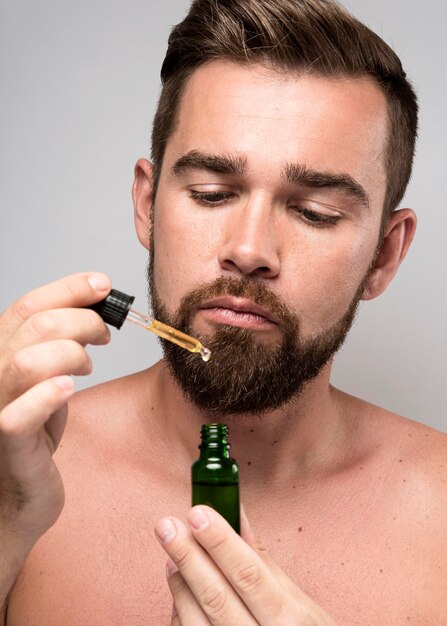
pixel 115 308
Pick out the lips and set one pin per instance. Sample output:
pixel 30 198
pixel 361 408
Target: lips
pixel 239 305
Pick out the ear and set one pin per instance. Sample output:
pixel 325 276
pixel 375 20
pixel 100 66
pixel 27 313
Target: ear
pixel 399 233
pixel 142 195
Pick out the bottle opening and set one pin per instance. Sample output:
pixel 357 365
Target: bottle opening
pixel 214 435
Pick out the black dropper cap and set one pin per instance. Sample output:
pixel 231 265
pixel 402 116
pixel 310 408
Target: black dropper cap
pixel 114 308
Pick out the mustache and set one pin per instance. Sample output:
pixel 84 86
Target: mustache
pixel 254 290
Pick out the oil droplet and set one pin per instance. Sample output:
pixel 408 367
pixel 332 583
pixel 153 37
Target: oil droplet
pixel 205 354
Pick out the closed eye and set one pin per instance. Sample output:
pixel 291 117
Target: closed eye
pixel 217 198
pixel 313 218
pixel 210 198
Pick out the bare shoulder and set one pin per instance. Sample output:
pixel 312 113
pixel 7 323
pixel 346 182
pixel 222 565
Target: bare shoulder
pixel 426 447
pixel 103 397
pixel 106 424
pixel 421 499
pixel 411 458
pixel 405 475
pixel 423 457
pixel 109 409
pixel 421 447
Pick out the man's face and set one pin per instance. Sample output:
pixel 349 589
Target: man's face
pixel 266 221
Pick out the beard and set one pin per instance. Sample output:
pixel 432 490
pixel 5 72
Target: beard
pixel 243 375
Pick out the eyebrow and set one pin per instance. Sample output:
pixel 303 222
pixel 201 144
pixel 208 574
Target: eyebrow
pixel 214 163
pixel 297 174
pixel 294 173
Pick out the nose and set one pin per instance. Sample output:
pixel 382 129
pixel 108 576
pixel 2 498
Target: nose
pixel 249 244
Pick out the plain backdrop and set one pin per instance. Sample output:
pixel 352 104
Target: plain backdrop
pixel 79 81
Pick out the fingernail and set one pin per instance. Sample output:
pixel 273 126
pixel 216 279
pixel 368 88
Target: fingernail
pixel 99 282
pixel 198 518
pixel 171 567
pixel 165 530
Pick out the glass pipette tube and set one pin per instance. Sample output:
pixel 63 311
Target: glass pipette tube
pixel 167 332
pixel 115 309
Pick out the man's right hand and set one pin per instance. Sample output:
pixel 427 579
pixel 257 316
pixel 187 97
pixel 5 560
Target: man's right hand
pixel 42 343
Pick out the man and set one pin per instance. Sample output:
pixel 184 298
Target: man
pixel 282 146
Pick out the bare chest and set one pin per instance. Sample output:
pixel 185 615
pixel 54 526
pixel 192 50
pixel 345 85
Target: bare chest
pixel 101 564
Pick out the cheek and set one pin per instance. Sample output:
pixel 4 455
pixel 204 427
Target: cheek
pixel 328 274
pixel 183 254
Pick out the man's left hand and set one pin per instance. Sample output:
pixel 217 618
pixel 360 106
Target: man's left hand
pixel 218 578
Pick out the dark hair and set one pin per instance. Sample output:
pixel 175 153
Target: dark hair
pixel 309 36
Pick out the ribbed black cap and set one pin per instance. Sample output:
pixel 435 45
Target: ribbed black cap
pixel 114 308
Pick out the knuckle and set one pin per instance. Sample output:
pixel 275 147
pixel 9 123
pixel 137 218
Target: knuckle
pixel 77 356
pixel 10 427
pixel 176 584
pixel 217 543
pixel 11 430
pixel 87 362
pixel 23 308
pixel 182 558
pixel 71 357
pixel 248 578
pixel 20 367
pixel 98 325
pixel 43 324
pixel 7 426
pixel 44 398
pixel 75 286
pixel 213 599
pixel 75 348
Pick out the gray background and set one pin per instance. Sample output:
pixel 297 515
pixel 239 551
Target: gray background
pixel 79 82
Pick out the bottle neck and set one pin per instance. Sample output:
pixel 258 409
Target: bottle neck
pixel 214 442
pixel 213 450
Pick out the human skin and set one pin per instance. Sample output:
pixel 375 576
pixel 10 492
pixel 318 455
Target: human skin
pixel 307 121
pixel 351 499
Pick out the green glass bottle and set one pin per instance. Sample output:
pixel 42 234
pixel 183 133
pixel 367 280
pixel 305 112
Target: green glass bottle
pixel 215 476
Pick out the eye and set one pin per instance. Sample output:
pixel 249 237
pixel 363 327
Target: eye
pixel 313 218
pixel 210 198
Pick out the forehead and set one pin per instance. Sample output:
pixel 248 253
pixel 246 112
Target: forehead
pixel 336 124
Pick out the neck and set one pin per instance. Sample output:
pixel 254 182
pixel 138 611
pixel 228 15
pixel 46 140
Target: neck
pixel 307 437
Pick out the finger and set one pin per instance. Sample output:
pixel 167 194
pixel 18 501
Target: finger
pixel 34 364
pixel 186 611
pixel 23 417
pixel 214 595
pixel 251 578
pixel 82 325
pixel 77 290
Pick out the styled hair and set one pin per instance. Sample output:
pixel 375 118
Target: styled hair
pixel 314 37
